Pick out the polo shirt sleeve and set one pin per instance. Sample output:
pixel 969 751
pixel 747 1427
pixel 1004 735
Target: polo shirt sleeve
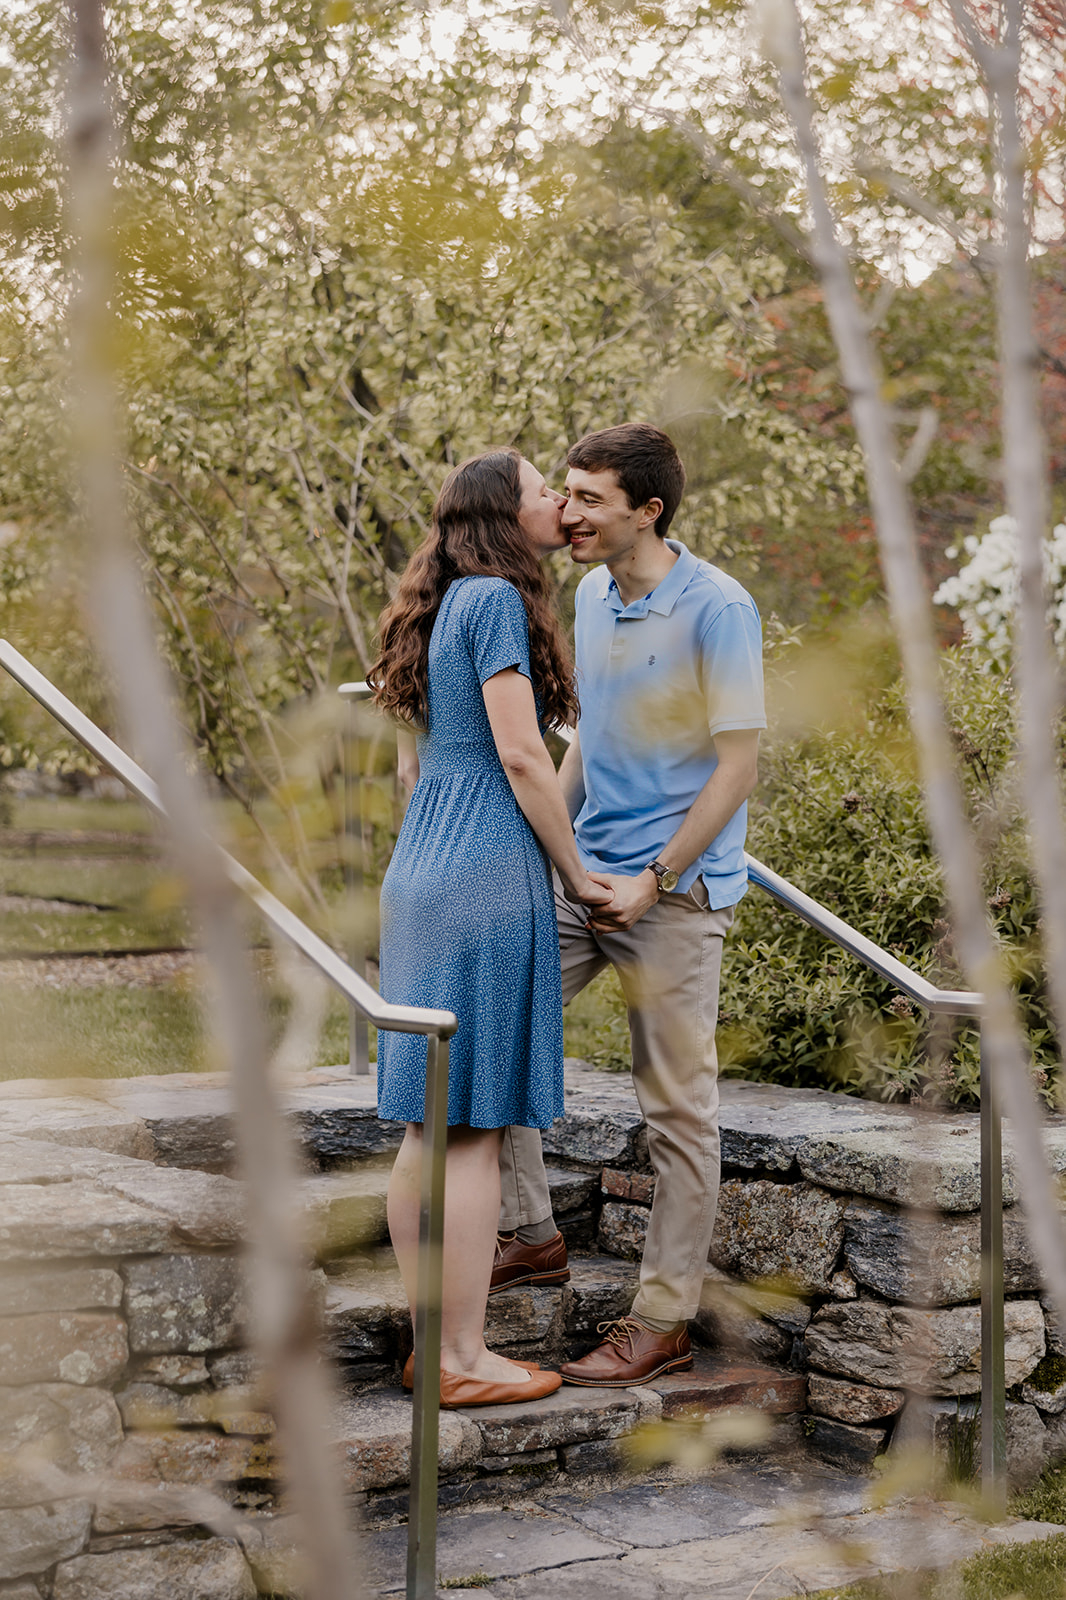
pixel 731 665
pixel 496 628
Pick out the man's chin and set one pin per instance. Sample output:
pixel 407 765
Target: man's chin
pixel 582 554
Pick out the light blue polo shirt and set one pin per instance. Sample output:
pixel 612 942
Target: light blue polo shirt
pixel 657 680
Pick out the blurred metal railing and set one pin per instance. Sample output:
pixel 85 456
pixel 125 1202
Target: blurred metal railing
pixel 437 1026
pixel 942 1002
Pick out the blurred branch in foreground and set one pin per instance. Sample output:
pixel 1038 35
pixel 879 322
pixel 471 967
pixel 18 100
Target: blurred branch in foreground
pixel 282 1320
pixel 955 839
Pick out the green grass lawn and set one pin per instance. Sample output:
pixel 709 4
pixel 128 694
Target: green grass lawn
pixel 127 1032
pixel 96 857
pixel 595 1025
pixel 104 854
pixel 53 814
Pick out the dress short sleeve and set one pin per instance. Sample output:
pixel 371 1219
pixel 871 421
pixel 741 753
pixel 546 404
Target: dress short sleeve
pixel 496 627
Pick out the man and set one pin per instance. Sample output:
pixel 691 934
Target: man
pixel 669 670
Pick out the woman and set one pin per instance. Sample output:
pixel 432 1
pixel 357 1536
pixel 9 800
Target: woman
pixel 473 657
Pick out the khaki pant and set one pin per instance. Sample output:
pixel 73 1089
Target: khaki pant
pixel 669 966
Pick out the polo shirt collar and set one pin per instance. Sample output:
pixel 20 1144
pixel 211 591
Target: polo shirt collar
pixel 666 594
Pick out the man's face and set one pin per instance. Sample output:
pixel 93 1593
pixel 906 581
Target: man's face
pixel 598 519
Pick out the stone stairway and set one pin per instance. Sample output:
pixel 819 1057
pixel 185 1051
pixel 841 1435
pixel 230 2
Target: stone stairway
pixel 489 1452
pixel 492 1452
pixel 137 1175
pixel 123 1322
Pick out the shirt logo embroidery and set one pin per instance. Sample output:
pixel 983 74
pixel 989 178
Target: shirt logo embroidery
pixel 651 661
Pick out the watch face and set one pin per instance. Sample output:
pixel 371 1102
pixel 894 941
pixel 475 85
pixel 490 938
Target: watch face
pixel 669 880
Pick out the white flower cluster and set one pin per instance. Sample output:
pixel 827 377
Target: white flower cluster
pixel 984 591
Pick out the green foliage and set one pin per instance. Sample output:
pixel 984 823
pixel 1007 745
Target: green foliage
pixel 839 813
pixel 346 261
pixel 1046 1500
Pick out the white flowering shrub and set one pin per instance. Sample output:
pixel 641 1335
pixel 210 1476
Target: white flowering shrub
pixel 984 591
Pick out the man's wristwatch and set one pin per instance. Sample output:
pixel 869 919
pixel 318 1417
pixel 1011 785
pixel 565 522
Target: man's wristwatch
pixel 666 877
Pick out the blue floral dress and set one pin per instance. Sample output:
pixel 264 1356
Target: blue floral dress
pixel 467 914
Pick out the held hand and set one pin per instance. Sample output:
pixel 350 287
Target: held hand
pixel 594 890
pixel 632 897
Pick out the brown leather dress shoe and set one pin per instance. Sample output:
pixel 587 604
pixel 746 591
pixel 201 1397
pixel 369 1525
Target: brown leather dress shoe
pixel 517 1263
pixel 630 1354
pixel 456 1391
pixel 408 1379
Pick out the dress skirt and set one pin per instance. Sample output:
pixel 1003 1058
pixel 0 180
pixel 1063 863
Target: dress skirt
pixel 467 912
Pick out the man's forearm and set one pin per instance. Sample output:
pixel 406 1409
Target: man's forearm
pixel 725 791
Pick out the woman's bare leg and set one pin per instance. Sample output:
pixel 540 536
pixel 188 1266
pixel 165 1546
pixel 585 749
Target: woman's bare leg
pixel 471 1212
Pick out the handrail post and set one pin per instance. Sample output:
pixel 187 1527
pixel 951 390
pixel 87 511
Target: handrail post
pixel 422 1510
pixel 993 1378
pixel 358 1032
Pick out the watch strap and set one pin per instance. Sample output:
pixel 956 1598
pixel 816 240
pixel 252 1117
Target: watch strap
pixel 662 871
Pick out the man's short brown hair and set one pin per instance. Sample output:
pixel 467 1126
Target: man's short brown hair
pixel 643 459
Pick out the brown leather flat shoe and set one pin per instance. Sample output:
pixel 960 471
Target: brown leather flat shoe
pixel 408 1379
pixel 456 1391
pixel 630 1354
pixel 517 1263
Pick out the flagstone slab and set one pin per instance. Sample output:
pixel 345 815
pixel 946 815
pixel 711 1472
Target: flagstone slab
pixel 870 1341
pixel 790 1232
pixel 185 1303
pixel 194 1569
pixel 569 1416
pixel 655 1515
pixel 495 1543
pixel 45 1288
pixel 715 1383
pixel 374 1434
pixel 86 1347
pixel 928 1161
pixel 51 1221
pixel 765 1127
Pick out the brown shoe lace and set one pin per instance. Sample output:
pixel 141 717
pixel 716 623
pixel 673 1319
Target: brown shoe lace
pixel 501 1240
pixel 619 1332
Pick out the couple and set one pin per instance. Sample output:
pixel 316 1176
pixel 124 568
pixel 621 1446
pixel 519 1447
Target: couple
pixel 669 674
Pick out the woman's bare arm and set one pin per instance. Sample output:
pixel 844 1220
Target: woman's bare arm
pixel 512 716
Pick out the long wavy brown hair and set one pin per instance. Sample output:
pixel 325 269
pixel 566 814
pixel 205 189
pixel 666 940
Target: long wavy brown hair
pixel 475 532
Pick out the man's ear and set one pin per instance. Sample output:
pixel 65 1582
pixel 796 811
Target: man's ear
pixel 650 513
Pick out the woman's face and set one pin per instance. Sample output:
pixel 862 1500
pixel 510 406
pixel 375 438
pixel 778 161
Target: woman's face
pixel 540 512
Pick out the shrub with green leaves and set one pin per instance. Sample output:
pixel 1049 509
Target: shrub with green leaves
pixel 839 813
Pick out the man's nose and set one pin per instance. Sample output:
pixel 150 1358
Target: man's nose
pixel 571 515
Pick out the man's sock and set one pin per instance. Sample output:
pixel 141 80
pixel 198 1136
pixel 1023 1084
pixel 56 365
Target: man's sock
pixel 538 1232
pixel 656 1324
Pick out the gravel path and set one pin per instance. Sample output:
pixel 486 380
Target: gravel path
pixel 103 972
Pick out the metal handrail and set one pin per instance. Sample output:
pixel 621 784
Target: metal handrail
pixel 937 1001
pixel 437 1026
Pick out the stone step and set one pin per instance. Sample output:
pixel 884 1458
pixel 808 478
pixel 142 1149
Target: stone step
pixel 882 1151
pixel 347 1217
pixel 368 1326
pixel 573 1430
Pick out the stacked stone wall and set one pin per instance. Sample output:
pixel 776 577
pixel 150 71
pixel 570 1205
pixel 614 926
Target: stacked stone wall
pixel 847 1245
pixel 846 1251
pixel 126 1390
